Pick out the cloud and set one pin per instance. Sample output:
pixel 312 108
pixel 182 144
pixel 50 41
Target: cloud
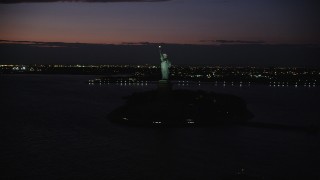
pixel 140 43
pixel 88 1
pixel 240 42
pixel 37 44
pixel 232 42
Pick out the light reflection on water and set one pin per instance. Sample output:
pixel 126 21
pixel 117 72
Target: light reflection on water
pixel 217 84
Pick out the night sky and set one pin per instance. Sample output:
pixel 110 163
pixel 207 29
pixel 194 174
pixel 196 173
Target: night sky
pixel 233 25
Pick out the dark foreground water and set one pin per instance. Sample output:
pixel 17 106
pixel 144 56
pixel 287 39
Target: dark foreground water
pixel 55 127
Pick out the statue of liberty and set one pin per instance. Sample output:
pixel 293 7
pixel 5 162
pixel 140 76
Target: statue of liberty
pixel 165 65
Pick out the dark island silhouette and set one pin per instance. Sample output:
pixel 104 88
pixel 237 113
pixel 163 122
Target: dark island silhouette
pixel 168 107
pixel 165 107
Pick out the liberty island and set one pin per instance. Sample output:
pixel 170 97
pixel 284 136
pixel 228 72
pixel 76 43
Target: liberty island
pixel 169 107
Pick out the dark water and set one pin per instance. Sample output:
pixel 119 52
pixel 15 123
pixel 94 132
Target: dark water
pixel 55 127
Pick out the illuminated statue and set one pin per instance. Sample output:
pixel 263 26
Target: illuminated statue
pixel 165 65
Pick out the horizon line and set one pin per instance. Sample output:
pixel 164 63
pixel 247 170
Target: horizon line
pixel 201 43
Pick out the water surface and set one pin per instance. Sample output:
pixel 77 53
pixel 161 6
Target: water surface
pixel 55 126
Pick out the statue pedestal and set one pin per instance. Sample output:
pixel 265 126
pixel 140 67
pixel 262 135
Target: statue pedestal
pixel 164 86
